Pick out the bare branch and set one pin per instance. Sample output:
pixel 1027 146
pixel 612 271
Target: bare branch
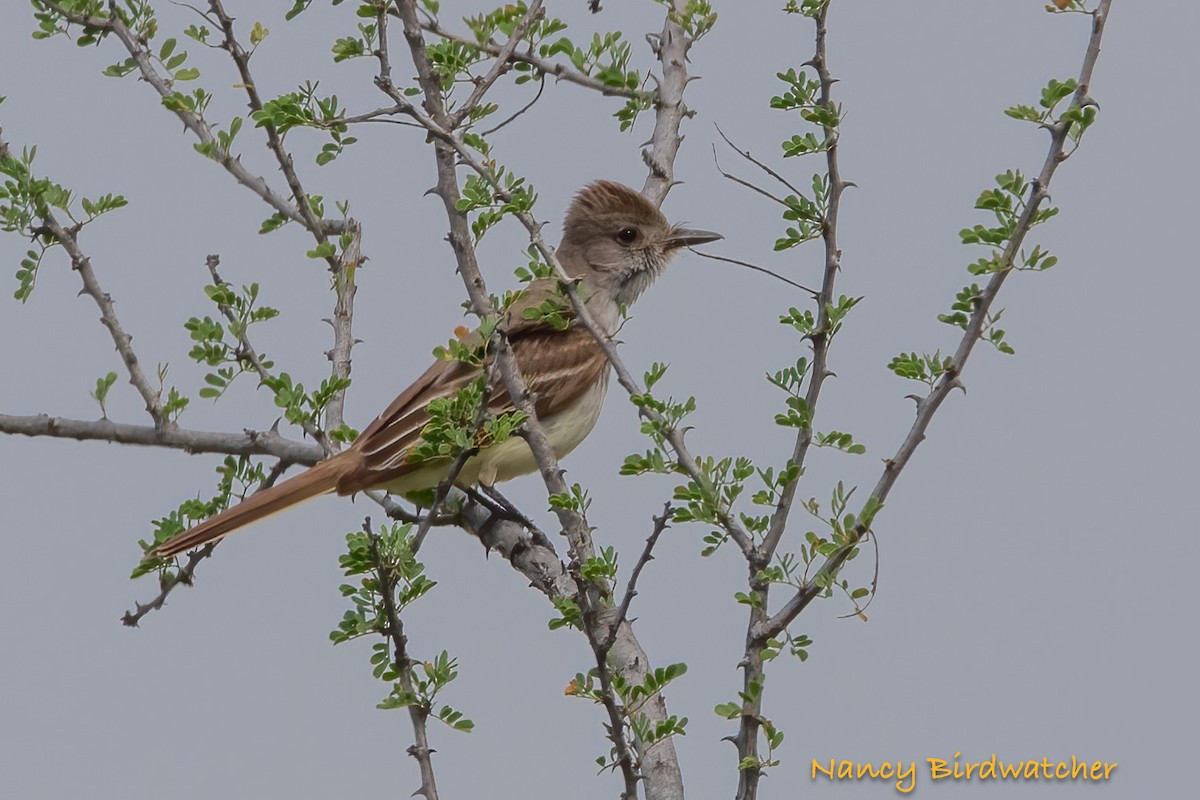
pixel 764 167
pixel 248 443
pixel 754 267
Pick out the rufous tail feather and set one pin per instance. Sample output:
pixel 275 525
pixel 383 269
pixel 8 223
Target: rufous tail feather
pixel 318 480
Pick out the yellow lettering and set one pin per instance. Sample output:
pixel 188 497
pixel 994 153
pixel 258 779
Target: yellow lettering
pixel 988 769
pixel 1008 770
pixel 910 775
pixel 1062 770
pixel 1108 768
pixel 971 767
pixel 937 768
pixel 845 769
pixel 1096 767
pixel 957 772
pixel 1078 767
pixel 1031 769
pixel 885 771
pixel 816 767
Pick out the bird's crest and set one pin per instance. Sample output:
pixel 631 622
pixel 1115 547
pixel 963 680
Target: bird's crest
pixel 607 198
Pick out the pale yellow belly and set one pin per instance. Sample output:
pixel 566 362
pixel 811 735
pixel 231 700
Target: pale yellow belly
pixel 513 457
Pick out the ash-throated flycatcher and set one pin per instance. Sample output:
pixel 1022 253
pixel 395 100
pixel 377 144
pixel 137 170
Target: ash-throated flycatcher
pixel 615 243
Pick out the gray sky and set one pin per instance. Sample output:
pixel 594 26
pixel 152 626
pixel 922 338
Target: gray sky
pixel 1034 557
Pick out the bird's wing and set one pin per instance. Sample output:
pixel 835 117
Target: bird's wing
pixel 558 365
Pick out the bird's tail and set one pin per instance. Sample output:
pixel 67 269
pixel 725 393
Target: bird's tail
pixel 317 480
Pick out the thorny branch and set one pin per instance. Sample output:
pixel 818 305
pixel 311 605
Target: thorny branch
pixel 752 663
pixel 661 523
pixel 300 210
pixel 192 121
pixel 559 70
pixel 342 268
pixel 951 379
pixel 417 713
pixel 247 351
pixel 108 315
pixel 185 575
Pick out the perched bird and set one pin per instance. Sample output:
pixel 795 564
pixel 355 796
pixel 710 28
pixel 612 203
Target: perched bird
pixel 615 242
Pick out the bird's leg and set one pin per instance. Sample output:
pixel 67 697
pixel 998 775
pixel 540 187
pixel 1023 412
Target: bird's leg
pixel 501 507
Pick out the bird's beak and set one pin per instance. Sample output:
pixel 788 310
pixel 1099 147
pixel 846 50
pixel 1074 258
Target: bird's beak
pixel 686 237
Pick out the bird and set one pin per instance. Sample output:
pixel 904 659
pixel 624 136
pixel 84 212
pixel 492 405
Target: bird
pixel 615 243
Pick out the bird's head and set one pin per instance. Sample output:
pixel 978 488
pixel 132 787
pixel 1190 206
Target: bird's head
pixel 618 242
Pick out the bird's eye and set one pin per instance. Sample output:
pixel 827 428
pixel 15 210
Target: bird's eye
pixel 627 235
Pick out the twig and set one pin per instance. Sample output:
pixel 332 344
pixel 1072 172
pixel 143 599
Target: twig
pixel 523 109
pixel 661 523
pixel 764 167
pixel 183 577
pixel 247 443
pixel 754 267
pixel 460 461
pixel 186 574
pixel 501 66
pixel 741 181
pixel 559 70
pixel 417 713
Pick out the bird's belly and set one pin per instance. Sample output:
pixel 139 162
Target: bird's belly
pixel 564 432
pixel 512 457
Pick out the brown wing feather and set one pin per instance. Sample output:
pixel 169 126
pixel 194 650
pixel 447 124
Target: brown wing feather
pixel 559 367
